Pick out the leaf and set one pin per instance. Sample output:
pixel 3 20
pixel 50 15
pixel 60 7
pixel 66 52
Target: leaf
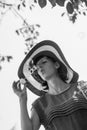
pixel 69 8
pixel 37 25
pixel 31 45
pixel 3 5
pixel 30 7
pixel 60 2
pixel 74 17
pixel 18 7
pixel 35 1
pixel 28 39
pixel 79 12
pixel 9 58
pixel 62 14
pixel 17 32
pixel 24 4
pixel 84 13
pixel 53 2
pixel 42 3
pixel 26 44
pixel 25 53
pixel 3 58
pixel 34 37
pixel 37 33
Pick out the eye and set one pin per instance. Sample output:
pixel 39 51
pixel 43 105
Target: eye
pixel 43 62
pixel 40 64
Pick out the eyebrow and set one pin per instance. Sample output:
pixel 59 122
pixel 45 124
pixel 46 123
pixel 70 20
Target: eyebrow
pixel 41 60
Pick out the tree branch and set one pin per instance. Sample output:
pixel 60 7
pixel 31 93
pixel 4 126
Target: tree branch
pixel 20 17
pixel 5 4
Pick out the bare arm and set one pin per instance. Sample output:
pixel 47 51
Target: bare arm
pixel 35 120
pixel 27 123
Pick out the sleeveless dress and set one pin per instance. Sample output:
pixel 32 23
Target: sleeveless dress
pixel 65 111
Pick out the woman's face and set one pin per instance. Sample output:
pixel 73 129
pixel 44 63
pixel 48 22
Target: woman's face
pixel 46 68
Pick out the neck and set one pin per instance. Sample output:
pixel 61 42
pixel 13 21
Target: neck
pixel 56 85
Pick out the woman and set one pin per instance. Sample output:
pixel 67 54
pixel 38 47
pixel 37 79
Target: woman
pixel 62 101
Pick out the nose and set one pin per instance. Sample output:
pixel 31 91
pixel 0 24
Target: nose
pixel 39 67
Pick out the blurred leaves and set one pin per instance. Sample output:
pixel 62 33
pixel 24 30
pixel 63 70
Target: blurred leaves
pixel 73 7
pixel 42 3
pixel 4 59
pixel 21 4
pixel 53 2
pixel 69 8
pixel 30 34
pixel 60 2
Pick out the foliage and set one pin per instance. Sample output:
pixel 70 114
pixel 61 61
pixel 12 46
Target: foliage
pixel 29 32
pixel 73 7
pixel 4 59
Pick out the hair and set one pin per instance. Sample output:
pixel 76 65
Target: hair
pixel 62 71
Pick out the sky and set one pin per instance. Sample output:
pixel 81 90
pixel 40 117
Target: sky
pixel 72 39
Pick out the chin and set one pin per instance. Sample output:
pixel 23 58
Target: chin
pixel 47 77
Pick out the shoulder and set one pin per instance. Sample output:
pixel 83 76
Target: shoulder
pixel 40 101
pixel 35 119
pixel 39 106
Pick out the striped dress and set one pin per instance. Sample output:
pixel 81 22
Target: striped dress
pixel 65 111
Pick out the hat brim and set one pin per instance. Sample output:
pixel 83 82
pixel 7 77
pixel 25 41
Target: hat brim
pixel 46 48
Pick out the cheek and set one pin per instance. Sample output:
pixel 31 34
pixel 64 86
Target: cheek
pixel 50 69
pixel 40 74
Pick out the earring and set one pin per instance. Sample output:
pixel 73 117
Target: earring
pixel 57 65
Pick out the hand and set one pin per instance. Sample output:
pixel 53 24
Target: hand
pixel 21 93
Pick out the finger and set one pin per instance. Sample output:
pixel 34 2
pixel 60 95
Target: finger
pixel 24 90
pixel 15 86
pixel 19 86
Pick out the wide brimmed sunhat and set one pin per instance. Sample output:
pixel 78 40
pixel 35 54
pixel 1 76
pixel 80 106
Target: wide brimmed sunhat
pixel 28 71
